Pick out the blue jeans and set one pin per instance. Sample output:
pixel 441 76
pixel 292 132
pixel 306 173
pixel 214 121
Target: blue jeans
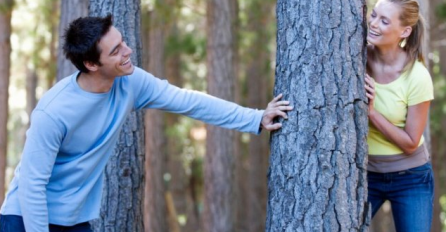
pixel 411 194
pixel 13 223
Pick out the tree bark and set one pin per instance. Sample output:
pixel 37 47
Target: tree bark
pixel 69 11
pixel 5 51
pixel 155 204
pixel 317 179
pixel 219 160
pixel 122 201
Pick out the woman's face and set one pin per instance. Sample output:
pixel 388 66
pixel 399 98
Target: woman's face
pixel 384 25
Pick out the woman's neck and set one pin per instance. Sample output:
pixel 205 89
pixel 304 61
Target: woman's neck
pixel 390 56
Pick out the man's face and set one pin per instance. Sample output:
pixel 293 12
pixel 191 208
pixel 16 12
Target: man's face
pixel 115 55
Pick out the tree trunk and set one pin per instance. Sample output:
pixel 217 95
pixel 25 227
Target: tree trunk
pixel 155 204
pixel 219 160
pixel 436 34
pixel 122 201
pixel 240 201
pixel 258 74
pixel 31 85
pixel 178 184
pixel 5 51
pixel 317 179
pixel 69 11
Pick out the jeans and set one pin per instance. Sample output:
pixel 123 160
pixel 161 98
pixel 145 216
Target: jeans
pixel 411 195
pixel 13 223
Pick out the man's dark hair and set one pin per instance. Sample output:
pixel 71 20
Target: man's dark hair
pixel 82 38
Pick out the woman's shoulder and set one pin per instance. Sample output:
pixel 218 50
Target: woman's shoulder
pixel 419 71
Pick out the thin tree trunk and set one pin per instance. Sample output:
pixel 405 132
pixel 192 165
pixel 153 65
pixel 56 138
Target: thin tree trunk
pixel 317 178
pixel 122 201
pixel 5 51
pixel 69 11
pixel 155 203
pixel 258 73
pixel 178 184
pixel 31 85
pixel 240 202
pixel 438 151
pixel 219 160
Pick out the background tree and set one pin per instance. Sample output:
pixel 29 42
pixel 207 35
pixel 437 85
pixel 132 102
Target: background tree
pixel 5 51
pixel 317 179
pixel 219 161
pixel 122 202
pixel 437 58
pixel 69 11
pixel 258 74
pixel 155 204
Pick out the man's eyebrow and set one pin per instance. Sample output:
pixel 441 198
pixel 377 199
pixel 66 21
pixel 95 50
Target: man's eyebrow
pixel 113 50
pixel 117 46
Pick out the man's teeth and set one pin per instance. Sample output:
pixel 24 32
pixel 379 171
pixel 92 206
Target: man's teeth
pixel 125 62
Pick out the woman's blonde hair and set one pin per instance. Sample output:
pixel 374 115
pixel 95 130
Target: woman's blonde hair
pixel 410 16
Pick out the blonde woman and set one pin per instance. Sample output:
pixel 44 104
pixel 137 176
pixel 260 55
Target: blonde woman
pixel 399 89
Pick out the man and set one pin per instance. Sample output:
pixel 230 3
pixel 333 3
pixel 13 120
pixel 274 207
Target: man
pixel 58 183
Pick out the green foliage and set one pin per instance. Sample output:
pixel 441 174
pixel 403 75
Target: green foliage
pixel 6 6
pixel 440 11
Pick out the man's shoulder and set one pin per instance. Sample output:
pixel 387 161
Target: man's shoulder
pixel 55 92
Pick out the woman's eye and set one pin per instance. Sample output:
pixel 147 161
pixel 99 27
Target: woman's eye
pixel 385 22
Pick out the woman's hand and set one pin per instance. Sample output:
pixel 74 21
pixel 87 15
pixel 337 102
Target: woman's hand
pixel 370 92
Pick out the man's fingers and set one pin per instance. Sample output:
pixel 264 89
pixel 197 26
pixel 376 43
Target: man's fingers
pixel 274 113
pixel 285 108
pixel 277 98
pixel 274 126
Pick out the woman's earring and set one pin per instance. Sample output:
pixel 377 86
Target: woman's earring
pixel 403 43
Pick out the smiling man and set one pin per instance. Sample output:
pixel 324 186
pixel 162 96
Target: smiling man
pixel 58 183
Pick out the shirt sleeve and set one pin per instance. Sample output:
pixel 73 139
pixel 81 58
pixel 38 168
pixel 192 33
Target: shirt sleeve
pixel 420 86
pixel 159 94
pixel 42 144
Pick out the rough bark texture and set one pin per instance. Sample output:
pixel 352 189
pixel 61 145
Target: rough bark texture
pixel 69 11
pixel 219 160
pixel 155 204
pixel 317 178
pixel 5 51
pixel 122 201
pixel 258 74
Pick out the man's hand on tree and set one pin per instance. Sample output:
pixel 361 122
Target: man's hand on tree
pixel 275 108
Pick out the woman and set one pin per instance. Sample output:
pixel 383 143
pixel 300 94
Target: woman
pixel 399 89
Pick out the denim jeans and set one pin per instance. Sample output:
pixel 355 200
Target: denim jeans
pixel 13 223
pixel 411 195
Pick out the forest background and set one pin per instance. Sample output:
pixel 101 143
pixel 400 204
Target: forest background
pixel 35 39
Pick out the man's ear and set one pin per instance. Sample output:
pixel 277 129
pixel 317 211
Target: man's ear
pixel 92 67
pixel 406 32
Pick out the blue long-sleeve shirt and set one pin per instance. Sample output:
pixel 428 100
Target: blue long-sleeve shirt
pixel 59 179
